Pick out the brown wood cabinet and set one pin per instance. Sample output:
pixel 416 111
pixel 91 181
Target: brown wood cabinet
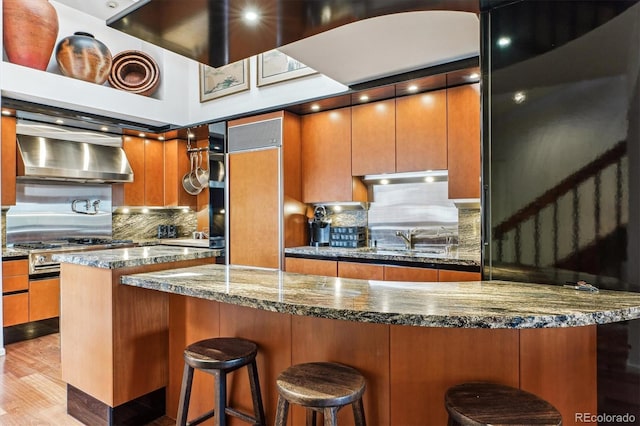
pixel 8 154
pixel 421 132
pixel 146 157
pixel 373 138
pixel 326 158
pixel 445 275
pixel 463 127
pixel 176 165
pixel 328 268
pixel 363 271
pixel 15 295
pixel 44 299
pixel 409 273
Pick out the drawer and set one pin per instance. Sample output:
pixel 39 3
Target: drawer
pixel 15 283
pixel 44 299
pixel 15 267
pixel 15 309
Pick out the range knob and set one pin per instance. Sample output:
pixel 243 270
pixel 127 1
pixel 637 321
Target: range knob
pixel 40 259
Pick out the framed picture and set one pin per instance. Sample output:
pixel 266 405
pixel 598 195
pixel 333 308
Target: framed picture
pixel 223 81
pixel 274 66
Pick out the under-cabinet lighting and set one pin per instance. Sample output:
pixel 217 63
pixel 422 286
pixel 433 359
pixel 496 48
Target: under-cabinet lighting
pixel 145 210
pixel 104 128
pixel 59 121
pixel 6 112
pixel 412 88
pixel 519 97
pixel 251 16
pixel 364 98
pixel 315 107
pixel 142 135
pixel 408 177
pixel 160 138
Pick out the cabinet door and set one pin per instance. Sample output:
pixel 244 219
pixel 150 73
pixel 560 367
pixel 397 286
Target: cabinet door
pixel 373 138
pixel 15 275
pixel 134 191
pixel 408 273
pixel 463 127
pixel 8 161
pixel 44 299
pixel 362 271
pixel 15 309
pixel 327 268
pixel 421 132
pixel 326 156
pixel 254 211
pixel 450 276
pixel 153 173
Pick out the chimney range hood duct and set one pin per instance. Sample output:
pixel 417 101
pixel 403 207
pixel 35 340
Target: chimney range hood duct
pixel 55 159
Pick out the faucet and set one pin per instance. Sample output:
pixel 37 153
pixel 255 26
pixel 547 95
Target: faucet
pixel 87 206
pixel 407 238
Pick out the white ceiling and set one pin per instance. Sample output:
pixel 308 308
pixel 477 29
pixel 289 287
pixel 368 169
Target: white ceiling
pixel 368 49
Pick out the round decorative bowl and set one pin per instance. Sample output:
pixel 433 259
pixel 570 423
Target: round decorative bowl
pixel 83 57
pixel 136 72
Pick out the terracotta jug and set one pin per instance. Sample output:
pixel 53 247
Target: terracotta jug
pixel 30 32
pixel 83 57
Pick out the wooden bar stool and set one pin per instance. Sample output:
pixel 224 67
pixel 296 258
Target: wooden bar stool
pixel 219 356
pixel 480 404
pixel 323 387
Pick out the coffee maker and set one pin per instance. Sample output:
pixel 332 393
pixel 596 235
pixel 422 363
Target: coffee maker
pixel 319 227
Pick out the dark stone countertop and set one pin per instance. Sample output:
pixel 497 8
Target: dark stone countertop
pixel 475 304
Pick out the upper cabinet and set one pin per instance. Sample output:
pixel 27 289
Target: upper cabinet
pixel 146 157
pixel 373 138
pixel 326 158
pixel 421 132
pixel 463 127
pixel 8 161
pixel 407 134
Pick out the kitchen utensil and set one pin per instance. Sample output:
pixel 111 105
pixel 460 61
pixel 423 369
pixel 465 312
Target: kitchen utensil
pixel 202 175
pixel 187 182
pixel 216 171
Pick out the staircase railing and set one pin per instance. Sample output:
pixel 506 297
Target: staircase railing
pixel 569 185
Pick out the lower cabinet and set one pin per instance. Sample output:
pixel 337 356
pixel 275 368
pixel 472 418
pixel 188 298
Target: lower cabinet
pixel 15 309
pixel 369 271
pixel 44 299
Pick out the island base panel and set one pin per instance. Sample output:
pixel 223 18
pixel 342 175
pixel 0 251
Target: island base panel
pixel 425 362
pixel 91 411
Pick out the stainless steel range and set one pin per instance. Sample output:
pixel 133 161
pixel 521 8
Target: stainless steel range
pixel 41 252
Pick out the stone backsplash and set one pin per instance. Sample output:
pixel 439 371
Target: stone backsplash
pixel 143 226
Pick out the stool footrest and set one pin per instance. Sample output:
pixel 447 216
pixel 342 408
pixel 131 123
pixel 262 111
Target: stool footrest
pixel 202 418
pixel 239 414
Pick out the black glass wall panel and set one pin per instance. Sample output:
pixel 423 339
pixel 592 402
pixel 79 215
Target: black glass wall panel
pixel 561 137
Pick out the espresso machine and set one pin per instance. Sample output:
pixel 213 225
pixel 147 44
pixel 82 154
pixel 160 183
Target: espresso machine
pixel 319 227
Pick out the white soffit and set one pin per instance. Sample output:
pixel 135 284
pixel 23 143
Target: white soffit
pixel 389 45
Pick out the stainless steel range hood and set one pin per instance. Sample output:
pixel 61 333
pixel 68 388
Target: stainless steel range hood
pixel 55 159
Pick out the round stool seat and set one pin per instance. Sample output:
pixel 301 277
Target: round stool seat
pixel 220 353
pixel 321 384
pixel 479 404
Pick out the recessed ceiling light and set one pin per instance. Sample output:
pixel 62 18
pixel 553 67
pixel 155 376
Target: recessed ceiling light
pixel 364 98
pixel 429 179
pixel 519 97
pixel 474 76
pixel 111 4
pixel 315 107
pixel 412 88
pixel 251 16
pixel 384 181
pixel 190 135
pixel 504 41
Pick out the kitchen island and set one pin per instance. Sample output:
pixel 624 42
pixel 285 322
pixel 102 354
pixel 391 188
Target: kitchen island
pixel 114 339
pixel 410 340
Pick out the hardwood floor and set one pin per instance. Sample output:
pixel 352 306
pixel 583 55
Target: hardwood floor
pixel 31 389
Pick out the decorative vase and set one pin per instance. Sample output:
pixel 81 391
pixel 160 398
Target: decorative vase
pixel 83 57
pixel 30 30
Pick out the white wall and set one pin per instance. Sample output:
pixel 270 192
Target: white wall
pixel 177 101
